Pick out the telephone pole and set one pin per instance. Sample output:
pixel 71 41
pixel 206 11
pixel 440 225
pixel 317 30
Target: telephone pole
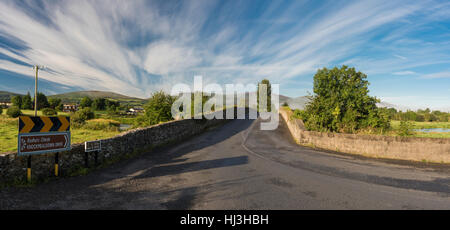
pixel 37 68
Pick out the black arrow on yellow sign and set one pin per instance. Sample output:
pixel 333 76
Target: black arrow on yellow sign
pixel 30 124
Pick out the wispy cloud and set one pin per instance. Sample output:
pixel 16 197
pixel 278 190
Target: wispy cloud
pixel 136 47
pixel 437 75
pixel 405 73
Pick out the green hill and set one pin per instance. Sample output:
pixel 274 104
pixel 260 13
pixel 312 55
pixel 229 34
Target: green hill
pixel 75 97
pixel 6 96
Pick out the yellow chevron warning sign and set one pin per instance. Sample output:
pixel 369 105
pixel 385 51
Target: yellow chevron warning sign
pixel 65 124
pixel 30 124
pixel 38 135
pixel 47 124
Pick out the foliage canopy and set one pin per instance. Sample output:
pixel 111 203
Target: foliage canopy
pixel 341 103
pixel 157 109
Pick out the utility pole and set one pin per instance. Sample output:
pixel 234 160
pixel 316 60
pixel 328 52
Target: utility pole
pixel 36 67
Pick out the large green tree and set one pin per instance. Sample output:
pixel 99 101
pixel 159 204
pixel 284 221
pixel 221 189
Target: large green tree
pixel 341 103
pixel 17 101
pixel 27 102
pixel 86 102
pixel 99 104
pixel 158 108
pixel 42 101
pixel 54 102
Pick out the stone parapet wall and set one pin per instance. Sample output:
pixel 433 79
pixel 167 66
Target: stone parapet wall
pixel 392 147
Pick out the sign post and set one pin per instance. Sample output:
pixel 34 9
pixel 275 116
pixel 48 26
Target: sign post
pixel 91 146
pixel 40 135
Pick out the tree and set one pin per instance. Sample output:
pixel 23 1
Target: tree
pixel 112 106
pixel 27 102
pixel 158 108
pixel 269 94
pixel 60 107
pixel 86 102
pixel 42 101
pixel 14 111
pixel 54 102
pixel 82 115
pixel 99 104
pixel 405 128
pixel 341 103
pixel 17 101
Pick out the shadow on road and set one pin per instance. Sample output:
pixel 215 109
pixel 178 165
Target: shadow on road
pixel 193 166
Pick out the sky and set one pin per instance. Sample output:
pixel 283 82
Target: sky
pixel 138 47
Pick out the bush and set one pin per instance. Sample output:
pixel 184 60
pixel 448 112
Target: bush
pixel 405 128
pixel 1 110
pixel 13 112
pixel 82 116
pixel 49 112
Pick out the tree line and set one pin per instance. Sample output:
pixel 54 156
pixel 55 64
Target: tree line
pixel 420 115
pixel 100 104
pixel 48 106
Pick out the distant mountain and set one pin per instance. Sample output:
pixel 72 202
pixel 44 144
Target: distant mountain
pixel 384 104
pixel 6 96
pixel 297 103
pixel 75 97
pixel 294 103
pixel 447 110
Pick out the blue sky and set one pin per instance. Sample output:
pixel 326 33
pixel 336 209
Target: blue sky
pixel 136 47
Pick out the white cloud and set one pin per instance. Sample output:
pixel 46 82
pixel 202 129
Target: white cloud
pixel 437 75
pixel 165 57
pixel 407 72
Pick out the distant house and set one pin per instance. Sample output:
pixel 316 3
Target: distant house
pixel 5 104
pixel 135 111
pixel 70 107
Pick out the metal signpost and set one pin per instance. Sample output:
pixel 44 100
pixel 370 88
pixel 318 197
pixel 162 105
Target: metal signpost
pixel 40 135
pixel 91 146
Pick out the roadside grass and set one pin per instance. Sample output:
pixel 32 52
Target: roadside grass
pixel 8 134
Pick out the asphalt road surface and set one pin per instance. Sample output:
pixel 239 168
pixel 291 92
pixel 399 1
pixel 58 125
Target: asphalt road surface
pixel 238 166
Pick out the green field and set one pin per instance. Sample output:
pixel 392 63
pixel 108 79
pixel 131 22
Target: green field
pixel 39 113
pixel 423 125
pixel 395 125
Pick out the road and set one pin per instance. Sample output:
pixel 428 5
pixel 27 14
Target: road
pixel 238 166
